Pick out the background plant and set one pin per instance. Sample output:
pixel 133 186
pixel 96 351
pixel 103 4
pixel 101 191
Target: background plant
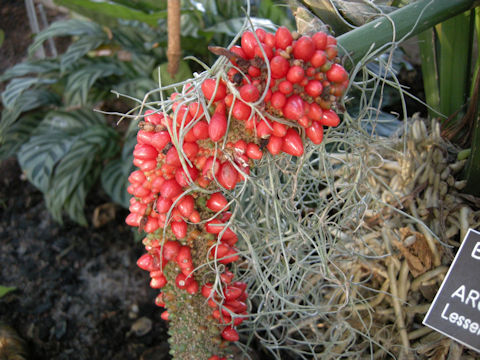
pixel 48 119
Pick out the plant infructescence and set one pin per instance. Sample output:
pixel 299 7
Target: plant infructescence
pixel 262 98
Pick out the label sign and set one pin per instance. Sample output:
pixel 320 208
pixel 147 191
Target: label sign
pixel 455 311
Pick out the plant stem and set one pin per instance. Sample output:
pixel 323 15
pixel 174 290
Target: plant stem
pixel 403 23
pixel 174 50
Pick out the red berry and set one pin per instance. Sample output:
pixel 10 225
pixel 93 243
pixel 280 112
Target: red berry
pixel 267 49
pixel 136 177
pixel 253 150
pixel 232 293
pixel 248 42
pixel 315 112
pixel 160 139
pixel 182 281
pixel 249 93
pixel 184 257
pixel 217 127
pixel 279 67
pixel 279 129
pixel 264 130
pixel 163 204
pixel 283 38
pixel 241 111
pixel 254 71
pixel 170 188
pixel 200 130
pixel 315 132
pixel 227 176
pixel 314 88
pixel 145 152
pixel 285 87
pixel 186 205
pixel 171 249
pixel 294 108
pixel 192 287
pixel 330 118
pixel 320 40
pixel 303 48
pixel 230 334
pixel 154 118
pixel 211 167
pixel 207 290
pixel 319 58
pixel 269 40
pixel 238 51
pixel 179 229
pixel 172 157
pixel 190 150
pixel 146 262
pixel 295 74
pixel 278 100
pixel 182 177
pixel 292 143
pixel 217 202
pixel 158 282
pixel 337 74
pixel 164 315
pixel 211 90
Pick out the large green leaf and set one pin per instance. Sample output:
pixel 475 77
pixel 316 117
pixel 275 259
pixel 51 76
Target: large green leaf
pixel 70 122
pixel 28 100
pixel 79 48
pixel 108 13
pixel 72 27
pixel 39 156
pixel 78 170
pixel 81 80
pixel 18 85
pixel 30 67
pixel 18 134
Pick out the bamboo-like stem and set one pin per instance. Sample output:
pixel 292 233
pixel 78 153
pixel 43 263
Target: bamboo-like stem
pixel 174 50
pixel 399 25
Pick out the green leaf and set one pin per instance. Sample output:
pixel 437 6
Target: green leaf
pixel 107 13
pixel 4 290
pixel 70 122
pixel 39 156
pixel 78 170
pixel 2 36
pixel 79 48
pixel 72 27
pixel 30 67
pixel 18 134
pixel 115 181
pixel 455 38
pixel 28 100
pixel 80 81
pixel 18 85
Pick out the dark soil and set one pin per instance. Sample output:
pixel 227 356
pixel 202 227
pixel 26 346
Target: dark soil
pixel 79 291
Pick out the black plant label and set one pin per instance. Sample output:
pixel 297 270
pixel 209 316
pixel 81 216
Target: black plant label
pixel 455 311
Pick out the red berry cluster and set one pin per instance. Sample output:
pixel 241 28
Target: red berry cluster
pixel 204 141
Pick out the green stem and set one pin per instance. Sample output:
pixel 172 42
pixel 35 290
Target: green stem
pixel 398 25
